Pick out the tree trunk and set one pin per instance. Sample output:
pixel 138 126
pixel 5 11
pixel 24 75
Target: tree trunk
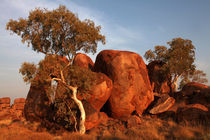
pixel 174 82
pixel 82 129
pixel 82 110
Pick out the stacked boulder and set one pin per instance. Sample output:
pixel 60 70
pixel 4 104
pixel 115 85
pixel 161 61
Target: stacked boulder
pixel 192 105
pixel 131 91
pixel 4 103
pixel 19 104
pixel 122 89
pixel 14 112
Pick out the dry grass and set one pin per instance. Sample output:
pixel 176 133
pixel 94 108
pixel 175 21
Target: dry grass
pixel 151 128
pixel 164 130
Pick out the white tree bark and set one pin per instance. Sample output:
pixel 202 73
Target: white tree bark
pixel 82 111
pixel 174 82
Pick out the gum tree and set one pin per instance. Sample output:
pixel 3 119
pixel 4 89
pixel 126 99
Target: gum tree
pixel 56 32
pixel 179 58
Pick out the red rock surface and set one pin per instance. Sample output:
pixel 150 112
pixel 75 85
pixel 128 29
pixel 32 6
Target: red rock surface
pixel 37 103
pixel 162 104
pixel 131 85
pixel 193 87
pixel 133 121
pixel 19 100
pixel 83 61
pixel 93 117
pixel 4 103
pixel 193 114
pixel 159 80
pixel 5 100
pixel 101 92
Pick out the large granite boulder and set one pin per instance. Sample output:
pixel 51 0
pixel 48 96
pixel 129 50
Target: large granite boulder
pixel 83 61
pixel 37 103
pixel 160 80
pixel 131 86
pixel 100 93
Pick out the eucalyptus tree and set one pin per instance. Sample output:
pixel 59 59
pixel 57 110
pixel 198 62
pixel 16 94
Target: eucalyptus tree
pixel 56 32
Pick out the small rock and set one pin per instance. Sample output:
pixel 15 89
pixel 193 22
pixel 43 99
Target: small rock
pixel 162 105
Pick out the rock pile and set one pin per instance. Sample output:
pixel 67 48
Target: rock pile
pixel 14 112
pixel 4 103
pixel 131 86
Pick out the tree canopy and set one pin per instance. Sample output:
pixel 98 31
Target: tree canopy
pixel 57 32
pixel 179 58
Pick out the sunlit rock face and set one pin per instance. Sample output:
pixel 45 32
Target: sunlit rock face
pixel 84 61
pixel 131 86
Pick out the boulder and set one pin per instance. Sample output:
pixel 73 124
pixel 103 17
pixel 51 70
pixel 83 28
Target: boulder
pixel 19 100
pixel 162 104
pixel 193 87
pixel 83 61
pixel 4 106
pixel 195 93
pixel 100 93
pixel 5 100
pixel 37 103
pixel 18 106
pixel 160 81
pixel 131 86
pixel 194 114
pixel 93 117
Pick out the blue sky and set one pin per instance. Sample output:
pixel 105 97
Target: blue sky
pixel 136 25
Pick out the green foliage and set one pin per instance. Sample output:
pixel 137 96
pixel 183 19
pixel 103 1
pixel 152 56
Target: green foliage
pixel 160 54
pixel 181 56
pixel 57 32
pixel 50 65
pixel 79 77
pixel 28 70
pixel 178 59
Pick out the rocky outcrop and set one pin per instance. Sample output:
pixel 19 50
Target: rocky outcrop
pixel 192 105
pixel 14 112
pixel 131 86
pixel 83 61
pixel 159 79
pixel 4 103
